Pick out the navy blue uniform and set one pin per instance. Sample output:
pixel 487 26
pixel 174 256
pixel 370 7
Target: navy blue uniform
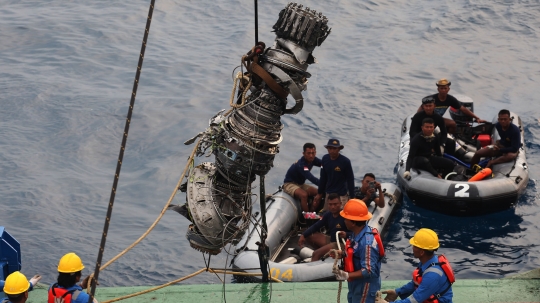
pixel 332 225
pixel 336 176
pixel 510 139
pixel 301 170
pixel 441 107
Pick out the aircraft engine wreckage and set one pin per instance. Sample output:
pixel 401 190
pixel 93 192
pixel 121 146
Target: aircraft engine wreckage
pixel 245 142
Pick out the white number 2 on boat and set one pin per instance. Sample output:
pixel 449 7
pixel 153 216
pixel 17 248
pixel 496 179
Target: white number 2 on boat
pixel 463 190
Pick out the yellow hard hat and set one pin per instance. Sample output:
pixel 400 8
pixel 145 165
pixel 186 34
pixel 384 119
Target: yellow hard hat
pixel 426 239
pixel 70 263
pixel 356 210
pixel 16 283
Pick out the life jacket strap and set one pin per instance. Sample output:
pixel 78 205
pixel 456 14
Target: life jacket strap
pixel 69 292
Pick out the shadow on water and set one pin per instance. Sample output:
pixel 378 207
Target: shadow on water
pixel 493 243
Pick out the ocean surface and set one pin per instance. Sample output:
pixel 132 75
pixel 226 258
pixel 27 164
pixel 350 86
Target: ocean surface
pixel 66 75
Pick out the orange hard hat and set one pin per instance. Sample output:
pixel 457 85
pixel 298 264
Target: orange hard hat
pixel 356 210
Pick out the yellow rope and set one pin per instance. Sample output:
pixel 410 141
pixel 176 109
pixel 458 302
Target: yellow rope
pixel 239 77
pixel 190 160
pixel 217 271
pixel 155 288
pixel 335 267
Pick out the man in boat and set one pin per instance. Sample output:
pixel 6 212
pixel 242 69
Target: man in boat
pixel 368 191
pixel 336 174
pixel 332 221
pixel 443 100
pixel 432 280
pixel 428 106
pixel 294 183
pixel 69 274
pixel 425 152
pixel 16 287
pixel 363 262
pixel 505 149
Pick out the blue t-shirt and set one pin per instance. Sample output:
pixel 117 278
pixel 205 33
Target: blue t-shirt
pixel 332 224
pixel 336 176
pixel 510 138
pixel 301 170
pixel 434 281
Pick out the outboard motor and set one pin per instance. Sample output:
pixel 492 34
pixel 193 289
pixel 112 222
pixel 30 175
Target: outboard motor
pixel 457 115
pixel 10 256
pixel 475 137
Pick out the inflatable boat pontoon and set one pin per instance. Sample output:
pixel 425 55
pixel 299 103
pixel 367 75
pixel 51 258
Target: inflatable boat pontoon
pixel 463 198
pixel 282 216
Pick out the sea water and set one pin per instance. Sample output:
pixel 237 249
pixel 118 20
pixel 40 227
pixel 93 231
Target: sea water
pixel 66 77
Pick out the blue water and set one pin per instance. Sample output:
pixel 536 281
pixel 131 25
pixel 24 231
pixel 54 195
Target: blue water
pixel 66 73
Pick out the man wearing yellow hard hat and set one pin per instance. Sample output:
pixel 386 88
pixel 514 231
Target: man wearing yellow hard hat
pixel 16 287
pixel 432 280
pixel 69 274
pixel 362 255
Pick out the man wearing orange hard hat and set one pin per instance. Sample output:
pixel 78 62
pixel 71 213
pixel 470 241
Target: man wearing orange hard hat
pixel 362 255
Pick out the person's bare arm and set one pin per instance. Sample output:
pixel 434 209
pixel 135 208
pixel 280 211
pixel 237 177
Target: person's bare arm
pixel 467 112
pixel 380 199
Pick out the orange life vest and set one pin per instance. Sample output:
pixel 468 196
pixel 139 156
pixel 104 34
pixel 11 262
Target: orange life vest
pixel 447 269
pixel 349 251
pixel 57 294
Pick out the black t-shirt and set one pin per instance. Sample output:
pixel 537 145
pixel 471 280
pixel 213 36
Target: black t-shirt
pixel 416 125
pixel 441 107
pixel 421 146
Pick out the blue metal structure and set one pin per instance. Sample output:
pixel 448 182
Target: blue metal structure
pixel 10 255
